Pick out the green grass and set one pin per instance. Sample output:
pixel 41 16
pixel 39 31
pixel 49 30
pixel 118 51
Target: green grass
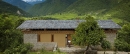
pixel 42 51
pixel 68 16
pixel 1 53
pixel 63 16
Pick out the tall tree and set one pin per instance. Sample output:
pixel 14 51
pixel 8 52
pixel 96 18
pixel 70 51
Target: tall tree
pixel 88 33
pixel 9 36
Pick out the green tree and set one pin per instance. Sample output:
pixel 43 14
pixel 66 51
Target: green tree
pixel 105 45
pixel 122 42
pixel 9 35
pixel 88 33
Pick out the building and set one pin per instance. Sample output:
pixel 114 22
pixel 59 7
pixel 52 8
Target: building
pixel 39 32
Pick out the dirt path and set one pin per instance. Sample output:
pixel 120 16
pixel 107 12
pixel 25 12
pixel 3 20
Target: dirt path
pixel 73 50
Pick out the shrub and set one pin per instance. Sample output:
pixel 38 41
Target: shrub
pixel 122 45
pixel 21 49
pixel 122 42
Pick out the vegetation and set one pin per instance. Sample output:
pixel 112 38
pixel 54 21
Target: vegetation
pixel 6 8
pixel 122 42
pixel 100 9
pixel 47 52
pixel 19 3
pixel 105 45
pixel 21 49
pixel 10 37
pixel 88 33
pixel 50 7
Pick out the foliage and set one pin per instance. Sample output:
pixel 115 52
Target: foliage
pixel 9 35
pixel 123 10
pixel 50 7
pixel 88 33
pixel 42 51
pixel 100 9
pixel 43 18
pixel 105 45
pixel 21 49
pixel 6 8
pixel 19 3
pixel 122 45
pixel 122 41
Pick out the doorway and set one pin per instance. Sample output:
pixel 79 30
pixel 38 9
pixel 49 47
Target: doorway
pixel 69 40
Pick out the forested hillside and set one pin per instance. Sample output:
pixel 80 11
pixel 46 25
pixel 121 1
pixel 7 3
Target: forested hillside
pixel 6 8
pixel 122 10
pixel 19 3
pixel 50 7
pixel 91 6
pixel 119 9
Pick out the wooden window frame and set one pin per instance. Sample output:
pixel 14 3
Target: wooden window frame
pixel 52 38
pixel 38 38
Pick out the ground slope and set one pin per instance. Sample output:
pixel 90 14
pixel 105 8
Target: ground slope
pixel 50 7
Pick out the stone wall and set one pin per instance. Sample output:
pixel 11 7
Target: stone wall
pixel 44 45
pixel 32 39
pixel 111 37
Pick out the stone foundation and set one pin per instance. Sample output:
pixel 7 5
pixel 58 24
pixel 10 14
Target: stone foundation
pixel 32 39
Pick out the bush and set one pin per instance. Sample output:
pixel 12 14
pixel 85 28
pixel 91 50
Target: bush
pixel 21 49
pixel 122 42
pixel 122 46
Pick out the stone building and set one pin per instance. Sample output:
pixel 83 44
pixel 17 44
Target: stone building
pixel 49 33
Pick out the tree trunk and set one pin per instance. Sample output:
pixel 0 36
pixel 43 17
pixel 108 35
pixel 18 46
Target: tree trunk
pixel 104 51
pixel 86 49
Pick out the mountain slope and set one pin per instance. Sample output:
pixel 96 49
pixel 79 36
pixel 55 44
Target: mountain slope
pixel 90 6
pixel 122 10
pixel 50 7
pixel 19 3
pixel 8 8
pixel 34 2
pixel 100 9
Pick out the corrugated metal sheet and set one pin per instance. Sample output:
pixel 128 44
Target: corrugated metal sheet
pixel 62 24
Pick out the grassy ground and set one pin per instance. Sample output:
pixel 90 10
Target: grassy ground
pixel 70 16
pixel 47 52
pixel 44 52
pixel 1 53
pixel 67 16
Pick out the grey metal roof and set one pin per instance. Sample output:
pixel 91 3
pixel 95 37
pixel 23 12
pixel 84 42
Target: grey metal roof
pixel 62 24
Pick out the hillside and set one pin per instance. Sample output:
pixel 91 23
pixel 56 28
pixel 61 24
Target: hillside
pixel 122 10
pixel 101 9
pixel 19 3
pixel 8 8
pixel 76 6
pixel 91 6
pixel 34 2
pixel 50 7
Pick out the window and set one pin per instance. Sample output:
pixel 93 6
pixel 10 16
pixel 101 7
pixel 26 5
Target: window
pixel 38 38
pixel 52 38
